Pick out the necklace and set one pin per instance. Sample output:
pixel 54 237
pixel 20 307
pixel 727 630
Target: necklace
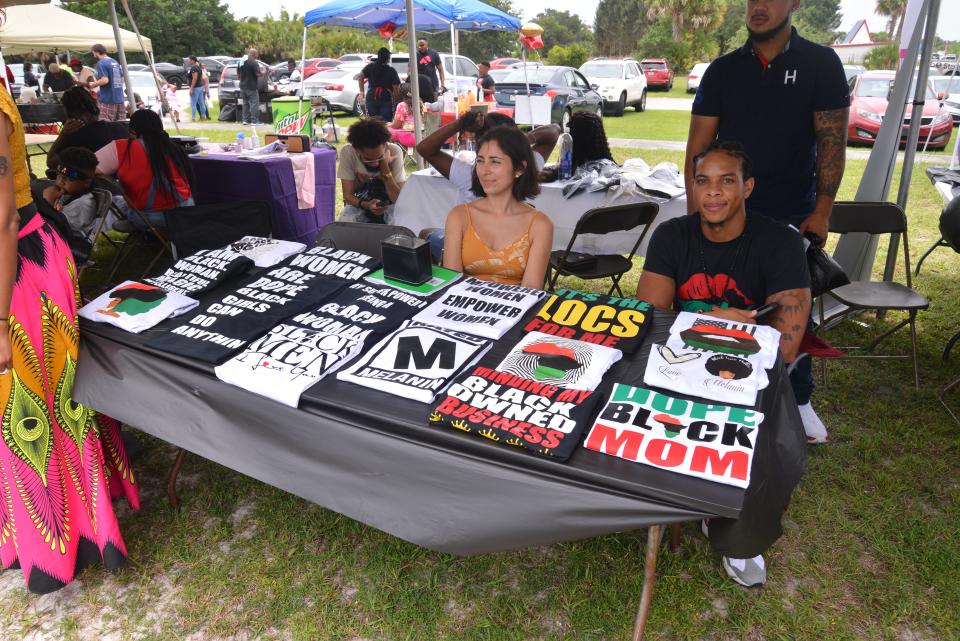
pixel 703 261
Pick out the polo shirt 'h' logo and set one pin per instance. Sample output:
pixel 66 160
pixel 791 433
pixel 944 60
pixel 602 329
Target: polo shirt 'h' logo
pixel 790 77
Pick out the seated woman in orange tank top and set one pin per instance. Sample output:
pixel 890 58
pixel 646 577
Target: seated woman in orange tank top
pixel 500 238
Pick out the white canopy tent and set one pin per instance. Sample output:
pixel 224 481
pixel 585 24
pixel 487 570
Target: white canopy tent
pixel 44 27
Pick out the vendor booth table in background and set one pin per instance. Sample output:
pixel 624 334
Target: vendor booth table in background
pixel 222 178
pixel 375 458
pixel 38 144
pixel 427 198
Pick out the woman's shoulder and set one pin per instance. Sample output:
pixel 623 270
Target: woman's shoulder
pixel 540 218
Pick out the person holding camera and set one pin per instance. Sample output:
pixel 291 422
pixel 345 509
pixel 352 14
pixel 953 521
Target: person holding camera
pixel 370 172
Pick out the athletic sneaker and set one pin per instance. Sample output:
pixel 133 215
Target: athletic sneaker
pixel 812 425
pixel 746 572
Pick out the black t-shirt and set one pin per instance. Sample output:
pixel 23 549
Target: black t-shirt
pixel 60 82
pixel 262 301
pixel 95 135
pixel 767 258
pixel 484 82
pixel 30 79
pixel 594 318
pixel 428 63
pixel 195 69
pixel 248 75
pixel 428 90
pixel 770 112
pixel 199 273
pixel 379 76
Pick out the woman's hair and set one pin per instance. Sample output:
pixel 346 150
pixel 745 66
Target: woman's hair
pixel 148 128
pixel 515 145
pixel 738 367
pixel 368 133
pixel 589 138
pixel 405 93
pixel 77 101
pixel 383 55
pixel 79 158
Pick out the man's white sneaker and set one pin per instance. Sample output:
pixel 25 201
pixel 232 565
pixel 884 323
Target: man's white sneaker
pixel 747 572
pixel 812 425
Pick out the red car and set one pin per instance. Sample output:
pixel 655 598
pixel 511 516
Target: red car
pixel 313 65
pixel 658 73
pixel 868 103
pixel 503 63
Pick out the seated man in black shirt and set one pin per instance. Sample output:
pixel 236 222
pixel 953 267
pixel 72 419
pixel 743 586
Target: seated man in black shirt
pixel 57 79
pixel 722 262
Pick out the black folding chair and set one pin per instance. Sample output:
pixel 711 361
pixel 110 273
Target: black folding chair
pixel 361 237
pixel 197 227
pixel 604 220
pixel 876 218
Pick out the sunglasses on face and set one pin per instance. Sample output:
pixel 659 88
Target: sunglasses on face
pixel 73 174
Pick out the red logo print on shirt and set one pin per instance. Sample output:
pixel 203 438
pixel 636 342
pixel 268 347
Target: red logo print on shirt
pixel 720 287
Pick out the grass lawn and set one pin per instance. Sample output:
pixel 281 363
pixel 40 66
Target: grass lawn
pixel 871 547
pixel 649 125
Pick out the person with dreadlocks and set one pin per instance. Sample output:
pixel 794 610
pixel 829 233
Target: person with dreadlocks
pixel 589 139
pixel 82 127
pixel 153 170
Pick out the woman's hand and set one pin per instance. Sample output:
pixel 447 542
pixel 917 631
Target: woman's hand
pixel 6 353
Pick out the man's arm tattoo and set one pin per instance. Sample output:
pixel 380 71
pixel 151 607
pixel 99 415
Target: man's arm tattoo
pixel 830 128
pixel 790 317
pixel 4 165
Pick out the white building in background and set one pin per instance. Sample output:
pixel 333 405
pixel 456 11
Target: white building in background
pixel 853 47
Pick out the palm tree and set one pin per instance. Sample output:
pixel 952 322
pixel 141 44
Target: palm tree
pixel 894 11
pixel 687 16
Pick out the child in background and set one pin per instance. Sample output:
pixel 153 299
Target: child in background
pixel 402 126
pixel 72 196
pixel 170 93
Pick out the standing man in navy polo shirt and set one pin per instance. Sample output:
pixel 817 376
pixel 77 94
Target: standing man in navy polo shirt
pixel 786 100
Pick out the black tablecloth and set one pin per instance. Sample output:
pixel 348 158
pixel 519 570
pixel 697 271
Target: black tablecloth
pixel 373 457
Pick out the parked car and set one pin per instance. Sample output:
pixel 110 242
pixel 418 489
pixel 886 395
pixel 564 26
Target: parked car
pixel 499 74
pixel 620 82
pixel 853 70
pixel 566 87
pixel 357 57
pixel 138 67
pixel 658 73
pixel 947 89
pixel 229 90
pixel 338 86
pixel 146 87
pixel 502 63
pixel 460 73
pixel 176 75
pixel 695 75
pixel 213 64
pixel 313 65
pixel 868 103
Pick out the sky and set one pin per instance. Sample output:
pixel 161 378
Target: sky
pixel 852 10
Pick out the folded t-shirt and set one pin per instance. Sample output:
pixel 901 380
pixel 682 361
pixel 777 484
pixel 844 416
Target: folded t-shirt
pixel 559 361
pixel 693 332
pixel 594 318
pixel 136 306
pixel 296 354
pixel 726 378
pixel 416 361
pixel 511 410
pixel 263 301
pixel 198 273
pixel 266 252
pixel 480 308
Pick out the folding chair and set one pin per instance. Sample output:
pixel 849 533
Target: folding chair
pixel 197 227
pixel 361 237
pixel 604 220
pixel 876 218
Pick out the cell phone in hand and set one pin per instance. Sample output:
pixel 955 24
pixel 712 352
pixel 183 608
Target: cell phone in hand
pixel 765 309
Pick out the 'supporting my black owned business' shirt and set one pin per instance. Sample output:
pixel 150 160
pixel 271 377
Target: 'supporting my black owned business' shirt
pixel 262 301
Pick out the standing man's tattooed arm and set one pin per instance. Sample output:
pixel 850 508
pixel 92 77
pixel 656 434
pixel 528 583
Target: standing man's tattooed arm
pixel 790 319
pixel 830 128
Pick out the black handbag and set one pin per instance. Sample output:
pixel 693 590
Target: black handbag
pixel 577 261
pixel 825 273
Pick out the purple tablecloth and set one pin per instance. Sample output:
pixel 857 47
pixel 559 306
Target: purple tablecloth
pixel 223 178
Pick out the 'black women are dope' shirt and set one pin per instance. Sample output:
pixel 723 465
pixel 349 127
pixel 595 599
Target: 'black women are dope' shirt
pixel 767 258
pixel 264 300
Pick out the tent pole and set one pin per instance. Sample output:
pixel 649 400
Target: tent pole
pixel 913 136
pixel 413 79
pixel 303 64
pixel 153 69
pixel 122 56
pixel 453 50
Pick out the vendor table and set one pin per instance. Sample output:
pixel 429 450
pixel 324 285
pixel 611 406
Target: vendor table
pixel 220 178
pixel 446 117
pixel 427 198
pixel 373 457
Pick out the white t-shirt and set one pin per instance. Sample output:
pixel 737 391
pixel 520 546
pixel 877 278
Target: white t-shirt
pixel 134 306
pixel 461 175
pixel 266 252
pixel 717 377
pixel 416 361
pixel 480 308
pixel 558 361
pixel 693 332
